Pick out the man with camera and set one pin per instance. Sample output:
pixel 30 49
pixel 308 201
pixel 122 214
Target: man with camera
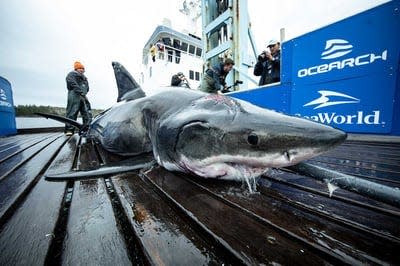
pixel 268 64
pixel 179 80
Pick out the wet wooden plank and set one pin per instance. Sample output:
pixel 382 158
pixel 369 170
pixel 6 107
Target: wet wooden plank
pixel 359 246
pixel 367 162
pixel 165 237
pixel 9 142
pixel 18 146
pixel 18 184
pixel 258 242
pixel 11 139
pixel 87 157
pixel 346 211
pixel 387 144
pixel 20 158
pixel 92 235
pixel 314 186
pixel 26 236
pixel 374 169
pixel 362 153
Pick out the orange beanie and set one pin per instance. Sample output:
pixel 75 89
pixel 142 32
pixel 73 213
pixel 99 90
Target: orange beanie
pixel 78 65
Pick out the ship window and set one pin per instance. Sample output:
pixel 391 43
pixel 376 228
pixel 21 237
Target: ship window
pixel 198 51
pixel 177 44
pixel 191 74
pixel 150 72
pixel 184 46
pixel 191 49
pixel 197 75
pixel 167 41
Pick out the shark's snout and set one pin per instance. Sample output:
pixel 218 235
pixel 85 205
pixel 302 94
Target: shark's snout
pixel 294 138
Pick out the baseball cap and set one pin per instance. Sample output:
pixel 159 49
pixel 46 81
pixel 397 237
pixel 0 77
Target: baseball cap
pixel 272 42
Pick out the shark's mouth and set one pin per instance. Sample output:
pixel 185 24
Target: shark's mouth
pixel 226 171
pixel 241 168
pixel 225 168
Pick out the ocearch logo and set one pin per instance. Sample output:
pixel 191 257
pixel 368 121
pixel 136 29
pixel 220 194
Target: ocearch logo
pixel 331 98
pixel 336 48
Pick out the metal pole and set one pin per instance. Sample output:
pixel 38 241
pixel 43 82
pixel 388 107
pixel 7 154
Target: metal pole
pixel 245 75
pixel 361 186
pixel 283 33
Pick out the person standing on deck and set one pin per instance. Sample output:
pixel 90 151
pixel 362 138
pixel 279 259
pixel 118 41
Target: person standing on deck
pixel 78 87
pixel 214 78
pixel 153 52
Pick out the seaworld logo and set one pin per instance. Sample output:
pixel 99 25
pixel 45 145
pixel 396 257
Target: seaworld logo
pixel 330 98
pixel 336 48
pixel 358 118
pixel 325 101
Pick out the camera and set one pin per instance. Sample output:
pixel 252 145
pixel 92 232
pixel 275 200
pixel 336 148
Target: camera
pixel 263 56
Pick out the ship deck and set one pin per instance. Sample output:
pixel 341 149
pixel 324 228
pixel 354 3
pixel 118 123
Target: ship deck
pixel 153 216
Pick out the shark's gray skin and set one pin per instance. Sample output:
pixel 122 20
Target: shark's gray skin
pixel 209 135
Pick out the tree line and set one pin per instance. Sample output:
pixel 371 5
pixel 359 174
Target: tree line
pixel 30 110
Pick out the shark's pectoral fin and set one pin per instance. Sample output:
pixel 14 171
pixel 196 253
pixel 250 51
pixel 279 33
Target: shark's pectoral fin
pixel 61 119
pixel 98 172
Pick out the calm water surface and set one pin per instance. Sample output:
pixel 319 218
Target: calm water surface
pixel 38 122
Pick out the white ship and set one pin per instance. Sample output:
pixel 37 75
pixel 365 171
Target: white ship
pixel 175 52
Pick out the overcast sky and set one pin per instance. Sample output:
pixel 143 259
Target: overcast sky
pixel 40 39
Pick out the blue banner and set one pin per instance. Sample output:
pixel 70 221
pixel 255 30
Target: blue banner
pixel 345 74
pixel 365 44
pixel 354 105
pixel 6 97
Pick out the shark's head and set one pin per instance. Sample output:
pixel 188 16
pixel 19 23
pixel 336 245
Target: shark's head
pixel 230 139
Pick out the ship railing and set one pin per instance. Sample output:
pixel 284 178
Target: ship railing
pixel 171 54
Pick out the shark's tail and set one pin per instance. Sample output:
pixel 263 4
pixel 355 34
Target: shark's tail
pixel 63 119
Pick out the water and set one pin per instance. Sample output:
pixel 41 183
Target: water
pixel 38 122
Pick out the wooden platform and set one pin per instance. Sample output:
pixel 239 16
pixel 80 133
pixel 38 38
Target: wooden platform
pixel 158 217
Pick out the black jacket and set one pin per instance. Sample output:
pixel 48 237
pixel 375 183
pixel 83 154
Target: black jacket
pixel 175 80
pixel 77 82
pixel 270 71
pixel 218 74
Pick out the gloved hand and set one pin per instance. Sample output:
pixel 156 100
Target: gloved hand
pixel 83 97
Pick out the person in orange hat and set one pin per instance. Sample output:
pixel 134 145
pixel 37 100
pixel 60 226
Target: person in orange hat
pixel 78 87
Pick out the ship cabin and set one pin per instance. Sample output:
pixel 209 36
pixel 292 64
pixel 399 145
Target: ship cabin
pixel 174 52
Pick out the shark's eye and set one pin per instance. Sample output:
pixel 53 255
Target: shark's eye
pixel 252 139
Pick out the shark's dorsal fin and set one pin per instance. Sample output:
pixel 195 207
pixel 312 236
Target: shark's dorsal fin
pixel 128 88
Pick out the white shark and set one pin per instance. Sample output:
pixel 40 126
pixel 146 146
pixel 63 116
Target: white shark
pixel 209 135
